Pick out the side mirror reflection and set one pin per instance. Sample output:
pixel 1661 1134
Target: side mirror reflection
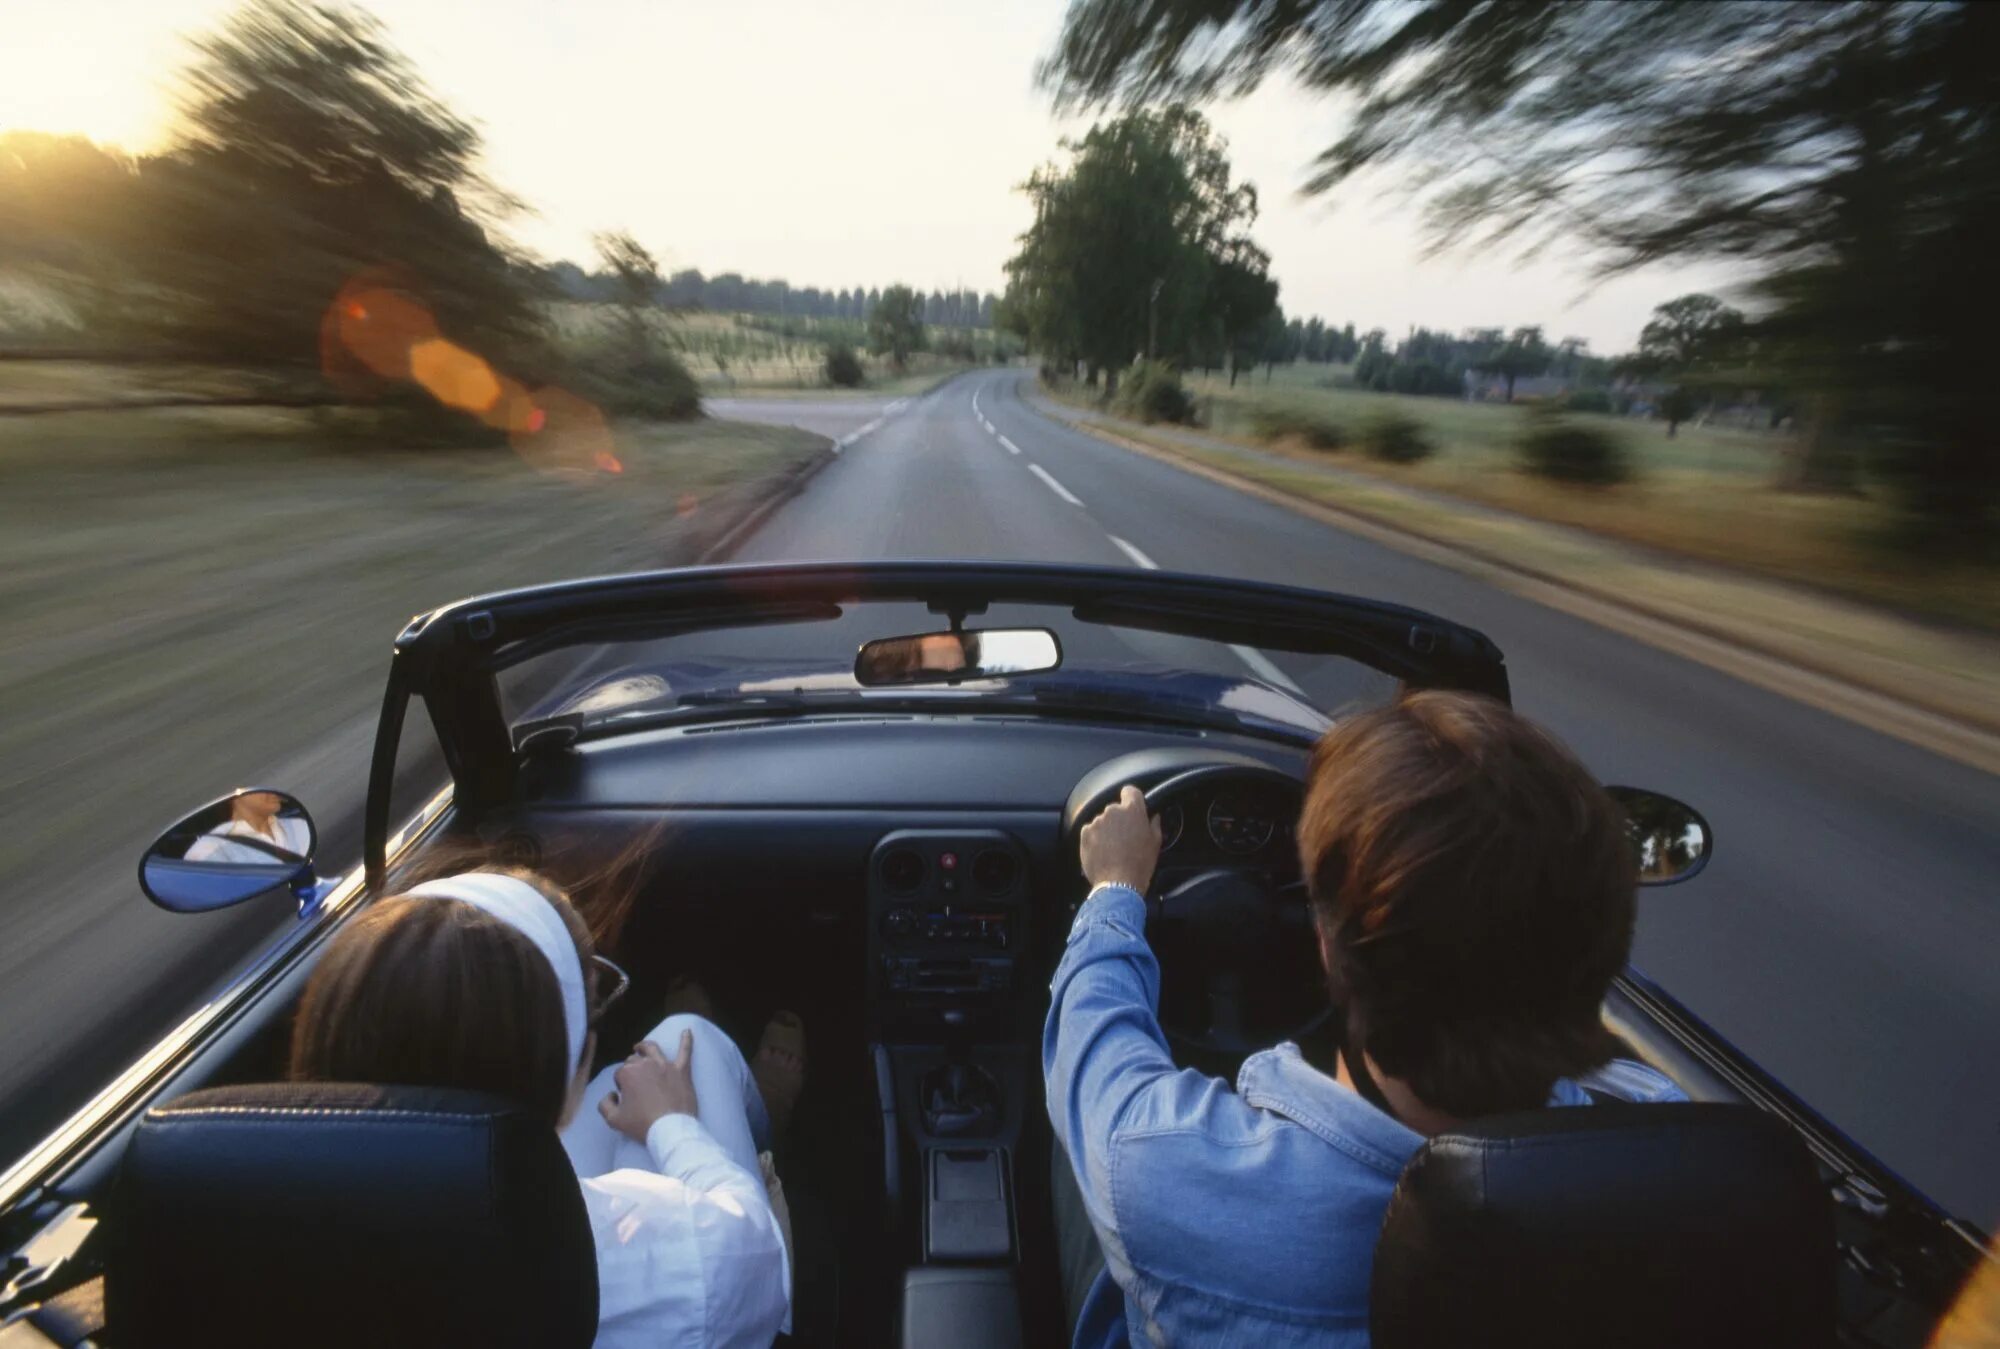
pixel 942 657
pixel 1672 839
pixel 247 844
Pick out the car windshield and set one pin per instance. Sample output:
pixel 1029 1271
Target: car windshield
pixel 751 671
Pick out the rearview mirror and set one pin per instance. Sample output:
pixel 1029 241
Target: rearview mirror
pixel 947 657
pixel 247 844
pixel 1672 839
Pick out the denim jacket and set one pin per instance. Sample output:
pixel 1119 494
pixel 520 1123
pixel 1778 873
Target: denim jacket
pixel 1243 1217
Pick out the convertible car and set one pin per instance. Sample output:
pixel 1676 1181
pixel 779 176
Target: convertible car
pixel 856 791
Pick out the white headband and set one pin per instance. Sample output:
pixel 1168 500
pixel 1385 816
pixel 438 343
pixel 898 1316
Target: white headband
pixel 528 911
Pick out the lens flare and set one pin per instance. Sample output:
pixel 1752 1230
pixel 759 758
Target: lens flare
pixel 454 376
pixel 569 435
pixel 375 332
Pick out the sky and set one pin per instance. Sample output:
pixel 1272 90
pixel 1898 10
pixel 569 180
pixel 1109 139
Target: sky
pixel 827 142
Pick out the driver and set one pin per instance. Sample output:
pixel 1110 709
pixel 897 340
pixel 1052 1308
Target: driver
pixel 1473 896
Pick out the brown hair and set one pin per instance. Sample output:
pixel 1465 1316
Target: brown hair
pixel 434 993
pixel 1477 889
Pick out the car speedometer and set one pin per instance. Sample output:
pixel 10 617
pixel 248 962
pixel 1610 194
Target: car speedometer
pixel 1239 824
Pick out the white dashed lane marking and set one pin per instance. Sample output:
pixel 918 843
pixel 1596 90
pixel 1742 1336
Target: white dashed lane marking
pixel 1049 481
pixel 1260 664
pixel 1012 448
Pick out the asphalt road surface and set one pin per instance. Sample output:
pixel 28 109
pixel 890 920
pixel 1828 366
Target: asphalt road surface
pixel 1847 933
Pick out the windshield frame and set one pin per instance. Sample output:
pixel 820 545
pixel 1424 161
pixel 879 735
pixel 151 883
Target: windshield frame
pixel 451 657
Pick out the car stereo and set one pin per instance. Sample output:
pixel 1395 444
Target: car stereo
pixel 947 912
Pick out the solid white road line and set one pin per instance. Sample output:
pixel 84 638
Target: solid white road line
pixel 1055 486
pixel 1012 448
pixel 1137 557
pixel 1266 669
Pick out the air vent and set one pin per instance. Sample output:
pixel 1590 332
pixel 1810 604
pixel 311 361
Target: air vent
pixel 994 871
pixel 902 870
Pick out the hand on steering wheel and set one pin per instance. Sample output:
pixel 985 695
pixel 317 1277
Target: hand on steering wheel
pixel 1122 845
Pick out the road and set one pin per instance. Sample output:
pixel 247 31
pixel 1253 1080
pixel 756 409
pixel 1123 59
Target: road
pixel 1847 933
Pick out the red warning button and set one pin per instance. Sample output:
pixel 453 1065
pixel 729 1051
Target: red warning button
pixel 948 861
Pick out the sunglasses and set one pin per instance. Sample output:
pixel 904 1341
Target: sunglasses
pixel 608 987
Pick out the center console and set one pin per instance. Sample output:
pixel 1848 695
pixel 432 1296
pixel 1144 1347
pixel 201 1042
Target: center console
pixel 949 914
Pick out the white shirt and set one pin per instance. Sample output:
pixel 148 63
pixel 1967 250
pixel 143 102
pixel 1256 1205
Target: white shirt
pixel 292 835
pixel 689 1254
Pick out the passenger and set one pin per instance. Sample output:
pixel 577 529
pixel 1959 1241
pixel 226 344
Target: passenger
pixel 488 981
pixel 1473 895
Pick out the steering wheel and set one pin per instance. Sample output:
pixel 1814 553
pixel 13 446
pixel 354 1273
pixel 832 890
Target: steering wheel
pixel 1238 962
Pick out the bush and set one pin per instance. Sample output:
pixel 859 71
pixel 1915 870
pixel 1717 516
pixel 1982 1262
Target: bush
pixel 843 367
pixel 1397 440
pixel 1590 400
pixel 1555 447
pixel 1284 423
pixel 657 386
pixel 1152 392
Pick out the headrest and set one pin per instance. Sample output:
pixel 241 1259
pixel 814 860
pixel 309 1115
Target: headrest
pixel 348 1214
pixel 1635 1225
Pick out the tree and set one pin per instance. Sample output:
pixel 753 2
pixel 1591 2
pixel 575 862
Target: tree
pixel 310 153
pixel 1851 150
pixel 1523 352
pixel 1274 341
pixel 1689 333
pixel 1685 339
pixel 896 325
pixel 636 275
pixel 1130 244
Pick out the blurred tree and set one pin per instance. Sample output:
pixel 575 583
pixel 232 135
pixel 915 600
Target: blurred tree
pixel 1851 149
pixel 645 378
pixel 1688 342
pixel 312 152
pixel 1274 342
pixel 57 194
pixel 896 325
pixel 1522 352
pixel 636 274
pixel 1689 333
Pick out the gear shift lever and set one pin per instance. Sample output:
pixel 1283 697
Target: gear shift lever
pixel 961 1100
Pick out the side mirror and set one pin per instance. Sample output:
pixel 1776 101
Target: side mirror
pixel 247 844
pixel 1672 839
pixel 946 657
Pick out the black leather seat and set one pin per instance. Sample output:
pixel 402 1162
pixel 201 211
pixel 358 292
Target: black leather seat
pixel 347 1214
pixel 1629 1225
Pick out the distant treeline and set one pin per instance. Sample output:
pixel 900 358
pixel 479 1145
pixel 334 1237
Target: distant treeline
pixel 732 293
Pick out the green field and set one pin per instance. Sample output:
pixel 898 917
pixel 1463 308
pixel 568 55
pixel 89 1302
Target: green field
pixel 1707 493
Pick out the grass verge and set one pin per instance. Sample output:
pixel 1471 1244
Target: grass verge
pixel 1705 495
pixel 1954 674
pixel 193 598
